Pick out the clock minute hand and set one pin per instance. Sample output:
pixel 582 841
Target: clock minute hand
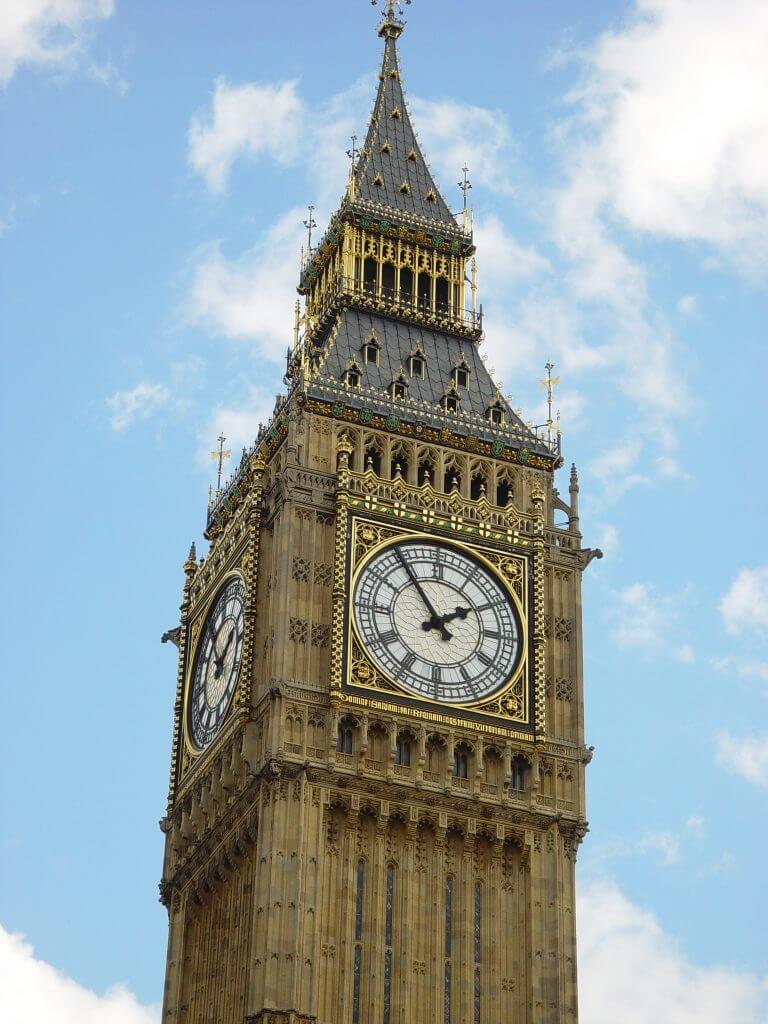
pixel 435 621
pixel 220 659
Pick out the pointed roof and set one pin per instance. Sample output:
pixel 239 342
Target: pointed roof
pixel 442 352
pixel 392 171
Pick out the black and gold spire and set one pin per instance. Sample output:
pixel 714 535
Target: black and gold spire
pixel 392 172
pixel 390 326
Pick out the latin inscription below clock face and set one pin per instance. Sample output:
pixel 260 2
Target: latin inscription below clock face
pixel 217 664
pixel 437 621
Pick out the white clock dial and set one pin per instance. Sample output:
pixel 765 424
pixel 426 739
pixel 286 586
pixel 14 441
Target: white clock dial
pixel 217 664
pixel 437 621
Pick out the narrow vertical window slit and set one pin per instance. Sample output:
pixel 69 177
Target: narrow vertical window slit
pixel 478 948
pixel 388 945
pixel 360 881
pixel 447 1009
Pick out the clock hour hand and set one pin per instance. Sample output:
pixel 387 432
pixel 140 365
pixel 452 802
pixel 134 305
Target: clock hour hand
pixel 434 622
pixel 459 613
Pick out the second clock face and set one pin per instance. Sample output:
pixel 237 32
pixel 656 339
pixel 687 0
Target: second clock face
pixel 437 621
pixel 217 664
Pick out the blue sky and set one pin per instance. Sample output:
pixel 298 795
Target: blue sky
pixel 157 161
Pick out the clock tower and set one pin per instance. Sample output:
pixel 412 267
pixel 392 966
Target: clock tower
pixel 377 781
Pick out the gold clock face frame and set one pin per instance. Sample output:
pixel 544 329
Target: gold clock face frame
pixel 215 664
pixel 367 675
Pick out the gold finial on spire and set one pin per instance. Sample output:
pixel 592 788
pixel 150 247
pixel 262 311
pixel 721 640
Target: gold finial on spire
pixel 465 185
pixel 391 24
pixel 220 454
pixel 550 383
pixel 309 224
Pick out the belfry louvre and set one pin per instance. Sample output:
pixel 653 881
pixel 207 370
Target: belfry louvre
pixel 377 777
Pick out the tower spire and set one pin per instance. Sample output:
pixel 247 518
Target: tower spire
pixel 392 176
pixel 391 26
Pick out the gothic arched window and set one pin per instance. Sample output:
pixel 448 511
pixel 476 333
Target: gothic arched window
pixel 442 294
pixel 477 486
pixel 518 779
pixel 460 375
pixel 388 281
pixel 371 351
pixel 461 763
pixel 353 376
pixel 344 739
pixel 403 750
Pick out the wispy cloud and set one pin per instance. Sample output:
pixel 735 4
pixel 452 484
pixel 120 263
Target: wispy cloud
pixel 665 844
pixel 126 407
pixel 745 606
pixel 244 121
pixel 746 756
pixel 32 990
pixel 671 126
pixel 249 298
pixel 51 34
pixel 648 618
pixel 631 970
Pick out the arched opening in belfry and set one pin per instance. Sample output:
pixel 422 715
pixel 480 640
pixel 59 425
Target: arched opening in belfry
pixel 373 458
pixel 451 480
pixel 388 281
pixel 426 472
pixel 399 466
pixel 478 486
pixel 503 493
pixel 442 292
pixel 406 286
pixel 370 274
pixel 425 291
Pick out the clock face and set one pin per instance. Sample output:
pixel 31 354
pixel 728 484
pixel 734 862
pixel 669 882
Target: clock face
pixel 217 664
pixel 437 621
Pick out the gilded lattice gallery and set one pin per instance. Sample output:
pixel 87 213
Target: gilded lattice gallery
pixel 377 780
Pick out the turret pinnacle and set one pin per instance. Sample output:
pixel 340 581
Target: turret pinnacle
pixel 392 173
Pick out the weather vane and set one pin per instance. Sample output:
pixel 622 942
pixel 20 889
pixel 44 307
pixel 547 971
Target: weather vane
pixel 550 383
pixel 220 454
pixel 309 224
pixel 465 185
pixel 352 153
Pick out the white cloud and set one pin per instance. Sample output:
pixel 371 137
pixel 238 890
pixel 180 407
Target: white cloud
pixel 241 425
pixel 665 844
pixel 455 134
pixel 674 104
pixel 747 757
pixel 32 990
pixel 250 298
pixel 648 618
pixel 745 606
pixel 696 824
pixel 686 654
pixel 503 258
pixel 245 120
pixel 632 971
pixel 608 539
pixel 687 305
pixel 47 33
pixel 137 404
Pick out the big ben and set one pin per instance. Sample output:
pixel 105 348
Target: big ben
pixel 377 779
